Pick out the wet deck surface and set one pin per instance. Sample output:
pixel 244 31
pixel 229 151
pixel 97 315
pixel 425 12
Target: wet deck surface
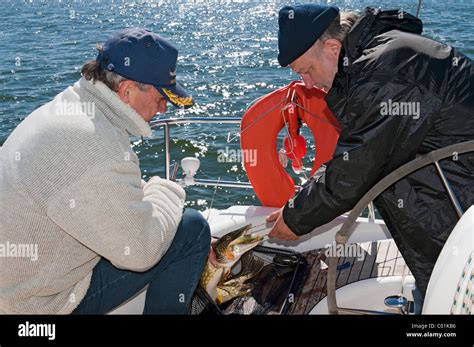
pixel 381 259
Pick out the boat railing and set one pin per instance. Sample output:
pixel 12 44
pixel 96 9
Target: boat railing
pixel 167 123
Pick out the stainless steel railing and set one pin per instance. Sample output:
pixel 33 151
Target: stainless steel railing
pixel 166 123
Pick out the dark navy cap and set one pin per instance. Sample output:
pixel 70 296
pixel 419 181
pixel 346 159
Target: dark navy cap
pixel 299 28
pixel 143 56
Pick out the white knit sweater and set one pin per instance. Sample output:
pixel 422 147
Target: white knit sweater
pixel 71 185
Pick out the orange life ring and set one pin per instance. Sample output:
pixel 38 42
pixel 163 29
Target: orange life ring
pixel 261 125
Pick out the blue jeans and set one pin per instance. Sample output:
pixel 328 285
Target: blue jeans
pixel 171 282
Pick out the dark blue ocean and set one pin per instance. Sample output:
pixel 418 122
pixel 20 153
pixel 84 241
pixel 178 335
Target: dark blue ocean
pixel 227 58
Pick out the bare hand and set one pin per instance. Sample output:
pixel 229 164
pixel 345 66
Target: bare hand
pixel 280 230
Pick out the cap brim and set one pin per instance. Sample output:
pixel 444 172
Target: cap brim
pixel 176 95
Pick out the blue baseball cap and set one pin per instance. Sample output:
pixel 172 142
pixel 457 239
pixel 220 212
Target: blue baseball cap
pixel 143 56
pixel 299 28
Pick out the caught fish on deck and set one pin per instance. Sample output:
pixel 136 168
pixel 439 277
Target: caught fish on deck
pixel 251 267
pixel 229 249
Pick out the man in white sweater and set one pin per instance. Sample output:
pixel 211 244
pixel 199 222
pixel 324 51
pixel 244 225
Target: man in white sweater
pixel 71 189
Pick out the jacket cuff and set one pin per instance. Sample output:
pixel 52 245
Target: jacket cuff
pixel 289 217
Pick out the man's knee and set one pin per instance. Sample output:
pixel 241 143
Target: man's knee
pixel 196 226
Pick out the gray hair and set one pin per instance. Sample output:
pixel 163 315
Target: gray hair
pixel 340 26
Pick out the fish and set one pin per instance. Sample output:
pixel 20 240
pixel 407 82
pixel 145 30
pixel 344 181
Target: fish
pixel 251 266
pixel 210 278
pixel 233 245
pixel 228 251
pixel 226 293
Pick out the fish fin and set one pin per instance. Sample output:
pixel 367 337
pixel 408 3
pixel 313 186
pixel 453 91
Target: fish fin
pixel 251 265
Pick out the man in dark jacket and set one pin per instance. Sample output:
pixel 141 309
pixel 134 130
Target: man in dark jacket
pixel 397 95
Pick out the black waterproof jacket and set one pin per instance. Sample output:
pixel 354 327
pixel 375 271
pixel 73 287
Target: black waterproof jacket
pixel 397 95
